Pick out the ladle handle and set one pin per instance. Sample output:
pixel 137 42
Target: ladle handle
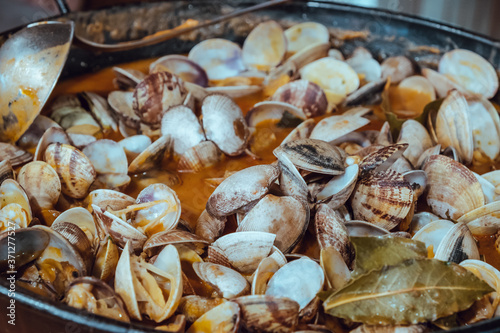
pixel 63 6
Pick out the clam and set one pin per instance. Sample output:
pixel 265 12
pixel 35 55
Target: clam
pixel 224 318
pixel 291 182
pixel 338 190
pixel 442 84
pixel 155 94
pixel 368 94
pixel 31 137
pixel 421 219
pixel 174 237
pixel 286 217
pixel 266 269
pixel 305 95
pixel 260 313
pixel 77 237
pixel 182 125
pixel 303 131
pixel 30 244
pixel 384 198
pixel 194 306
pixel 245 249
pixel 433 233
pixel 396 68
pixel 134 145
pixel 307 55
pixel 272 110
pixel 13 216
pixel 81 141
pixel 332 232
pixel 181 66
pixel 287 281
pixel 157 209
pixel 107 156
pixel 363 63
pixel 74 169
pixel 453 190
pixel 11 193
pixel 15 155
pixel 418 139
pixel 493 177
pixel 224 124
pixel 313 155
pixel 106 260
pixel 82 219
pixel 6 171
pixel 256 52
pixel 240 189
pixel 471 71
pixel 220 58
pixel 336 271
pixel 122 104
pixel 203 155
pixel 483 220
pixel 52 135
pixel 334 127
pixel 210 227
pixel 457 245
pixel 302 35
pixel 96 297
pixel 381 159
pixel 126 78
pixel 227 282
pixel 336 78
pixel 152 156
pixel 233 91
pixel 485 127
pixel 100 109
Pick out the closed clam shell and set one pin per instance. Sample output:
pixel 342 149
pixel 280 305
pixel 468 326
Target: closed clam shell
pixel 224 318
pixel 171 237
pixel 181 66
pixel 107 156
pixel 397 68
pixel 240 189
pixel 227 282
pixel 384 199
pixel 210 227
pixel 313 155
pixel 199 157
pixel 152 156
pixel 471 71
pixel 286 217
pixel 288 281
pixel 303 131
pixel 182 125
pixel 245 249
pixel 453 190
pixel 260 313
pixel 155 94
pixel 301 35
pixel 332 232
pixel 418 139
pixel 74 169
pixel 15 155
pixel 305 95
pixel 484 220
pixel 224 124
pixel 120 231
pixel 457 245
pixel 220 58
pixel 334 127
pixel 256 52
pixel 51 135
pixel 41 183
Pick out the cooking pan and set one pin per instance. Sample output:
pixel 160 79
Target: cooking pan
pixel 384 33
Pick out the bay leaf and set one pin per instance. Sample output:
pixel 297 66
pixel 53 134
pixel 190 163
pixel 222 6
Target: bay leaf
pixel 414 291
pixel 376 252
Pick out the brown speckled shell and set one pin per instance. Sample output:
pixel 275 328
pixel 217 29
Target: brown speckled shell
pixel 305 95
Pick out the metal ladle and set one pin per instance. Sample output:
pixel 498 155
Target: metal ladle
pixel 162 36
pixel 31 61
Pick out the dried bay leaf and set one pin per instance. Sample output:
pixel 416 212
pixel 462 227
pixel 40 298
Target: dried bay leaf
pixel 376 252
pixel 414 291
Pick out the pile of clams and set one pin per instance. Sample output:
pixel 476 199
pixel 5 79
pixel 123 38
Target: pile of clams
pixel 300 158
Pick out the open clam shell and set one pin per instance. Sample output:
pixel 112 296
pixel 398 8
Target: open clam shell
pixel 15 155
pixel 106 260
pixel 152 156
pixel 266 269
pixel 301 35
pixel 204 155
pixel 483 220
pixel 338 190
pixel 397 68
pixel 114 200
pixel 271 110
pixel 485 127
pixel 337 273
pixel 226 281
pixel 256 52
pixel 11 192
pixel 181 66
pixel 224 318
pixel 30 244
pixel 135 145
pixel 334 127
pixel 182 125
pixel 418 139
pixel 173 237
pixel 303 131
pixel 291 182
pixel 457 245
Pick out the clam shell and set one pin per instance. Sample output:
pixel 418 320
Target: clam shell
pixel 364 229
pixel 227 282
pixel 332 232
pixel 16 156
pixel 421 219
pixel 245 249
pixel 121 102
pixel 336 271
pixel 261 313
pixel 484 220
pixel 286 217
pixel 100 110
pixel 11 192
pixel 41 183
pixel 30 244
pixel 397 68
pixel 209 227
pixel 305 95
pixel 83 219
pixel 303 131
pixel 271 110
pixel 433 233
pixel 81 141
pixel 308 54
pixel 288 281
pixel 224 124
pixel 383 198
pixel 6 171
pixel 338 190
pixel 234 91
pixel 76 237
pixel 256 52
pixel 313 155
pixel 471 71
pixel 291 182
pixel 334 127
pixel 457 245
pixel 171 237
pixel 135 145
pixel 181 124
pixel 127 78
pixel 107 156
pixel 155 94
pixel 106 260
pixel 485 127
pixel 124 283
pixel 194 306
pixel 240 189
pixel 368 94
pixel 34 133
pixel 181 66
pixel 224 318
pixel 152 156
pixel 381 159
pixel 418 139
pixel 74 169
pixel 220 58
pixel 453 190
pixel 199 157
pixel 493 177
pixel 367 67
pixel 266 269
pixel 300 36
